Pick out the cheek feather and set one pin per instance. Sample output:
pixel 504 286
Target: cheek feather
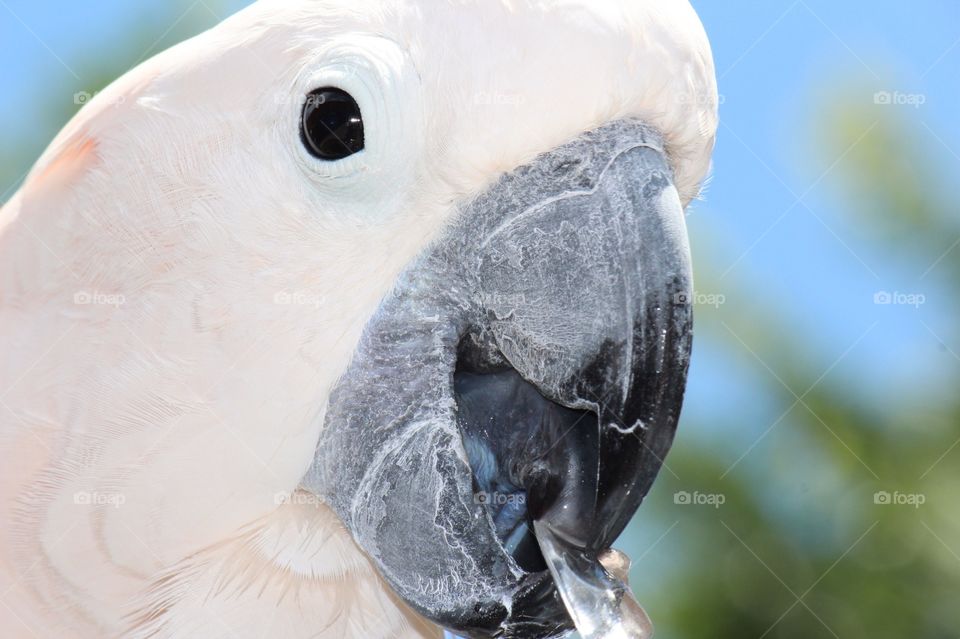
pixel 70 164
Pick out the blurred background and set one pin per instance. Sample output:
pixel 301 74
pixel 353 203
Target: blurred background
pixel 813 487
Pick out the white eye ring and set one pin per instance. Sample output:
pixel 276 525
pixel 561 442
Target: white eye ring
pixel 348 76
pixel 380 78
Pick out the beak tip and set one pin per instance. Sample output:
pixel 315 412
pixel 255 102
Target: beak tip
pixel 616 563
pixel 594 589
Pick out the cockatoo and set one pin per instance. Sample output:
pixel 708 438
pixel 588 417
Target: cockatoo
pixel 353 319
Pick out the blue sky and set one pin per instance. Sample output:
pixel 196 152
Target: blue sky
pixel 779 63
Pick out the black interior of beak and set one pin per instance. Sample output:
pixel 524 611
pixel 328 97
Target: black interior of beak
pixel 517 442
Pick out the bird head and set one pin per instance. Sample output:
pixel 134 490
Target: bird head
pixel 463 224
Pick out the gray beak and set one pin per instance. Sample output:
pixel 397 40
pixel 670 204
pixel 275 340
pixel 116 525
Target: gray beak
pixel 512 400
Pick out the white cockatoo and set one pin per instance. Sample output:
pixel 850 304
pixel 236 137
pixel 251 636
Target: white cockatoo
pixel 353 319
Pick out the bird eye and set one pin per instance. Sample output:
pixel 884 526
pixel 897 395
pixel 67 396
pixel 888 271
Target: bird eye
pixel 331 125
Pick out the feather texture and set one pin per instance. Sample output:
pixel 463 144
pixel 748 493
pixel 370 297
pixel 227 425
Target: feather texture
pixel 181 286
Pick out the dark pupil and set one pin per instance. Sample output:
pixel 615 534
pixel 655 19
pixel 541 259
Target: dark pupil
pixel 331 126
